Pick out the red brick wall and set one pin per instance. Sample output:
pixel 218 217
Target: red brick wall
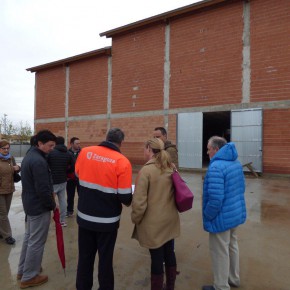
pixel 88 86
pixel 138 60
pixel 270 50
pixel 276 141
pixel 206 70
pixel 56 128
pixel 172 128
pixel 89 132
pixel 137 132
pixel 206 57
pixel 50 93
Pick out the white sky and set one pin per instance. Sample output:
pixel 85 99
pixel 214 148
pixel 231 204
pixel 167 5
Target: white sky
pixel 35 32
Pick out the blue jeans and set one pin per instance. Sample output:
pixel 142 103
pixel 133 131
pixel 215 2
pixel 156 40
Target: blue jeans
pixel 59 189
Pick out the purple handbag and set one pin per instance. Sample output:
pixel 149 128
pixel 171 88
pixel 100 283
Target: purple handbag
pixel 183 195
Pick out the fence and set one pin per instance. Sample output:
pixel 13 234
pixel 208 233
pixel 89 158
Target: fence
pixel 19 150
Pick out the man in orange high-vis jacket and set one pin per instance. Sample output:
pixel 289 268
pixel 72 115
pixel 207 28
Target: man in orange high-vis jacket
pixel 105 177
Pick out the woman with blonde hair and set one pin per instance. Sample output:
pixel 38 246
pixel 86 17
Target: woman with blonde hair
pixel 7 168
pixel 155 215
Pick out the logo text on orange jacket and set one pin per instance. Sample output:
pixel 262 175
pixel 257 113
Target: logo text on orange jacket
pixel 99 158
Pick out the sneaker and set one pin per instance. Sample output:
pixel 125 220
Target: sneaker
pixel 37 280
pixel 69 214
pixel 10 241
pixel 63 224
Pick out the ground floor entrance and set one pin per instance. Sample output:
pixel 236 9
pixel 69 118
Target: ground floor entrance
pixel 243 127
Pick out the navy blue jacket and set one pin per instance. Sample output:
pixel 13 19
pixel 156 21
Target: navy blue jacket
pixel 37 188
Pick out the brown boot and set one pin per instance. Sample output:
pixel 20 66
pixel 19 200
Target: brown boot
pixel 37 280
pixel 170 277
pixel 19 276
pixel 156 282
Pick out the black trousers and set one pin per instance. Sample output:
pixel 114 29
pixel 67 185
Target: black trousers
pixel 90 243
pixel 164 254
pixel 71 187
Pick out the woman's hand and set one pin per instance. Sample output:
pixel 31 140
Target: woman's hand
pixel 16 168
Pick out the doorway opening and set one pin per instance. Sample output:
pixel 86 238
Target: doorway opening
pixel 215 124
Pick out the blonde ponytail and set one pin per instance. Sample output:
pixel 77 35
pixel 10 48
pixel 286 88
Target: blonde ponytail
pixel 163 160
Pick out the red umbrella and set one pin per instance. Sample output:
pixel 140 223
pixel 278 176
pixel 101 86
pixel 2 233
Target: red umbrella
pixel 59 237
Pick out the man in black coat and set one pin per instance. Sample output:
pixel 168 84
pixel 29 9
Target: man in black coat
pixel 72 180
pixel 38 202
pixel 60 162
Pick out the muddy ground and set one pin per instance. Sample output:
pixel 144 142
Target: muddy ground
pixel 264 245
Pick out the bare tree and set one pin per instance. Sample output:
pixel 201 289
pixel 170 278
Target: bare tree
pixel 24 131
pixel 21 132
pixel 7 127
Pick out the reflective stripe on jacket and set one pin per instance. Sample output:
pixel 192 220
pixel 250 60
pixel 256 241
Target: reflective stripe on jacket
pixel 105 177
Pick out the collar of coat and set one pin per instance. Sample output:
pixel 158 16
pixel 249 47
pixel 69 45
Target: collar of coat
pixel 151 161
pixel 110 145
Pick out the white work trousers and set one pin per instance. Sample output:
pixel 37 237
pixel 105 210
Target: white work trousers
pixel 224 251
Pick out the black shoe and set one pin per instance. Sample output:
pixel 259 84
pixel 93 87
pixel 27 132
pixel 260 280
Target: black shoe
pixel 1 237
pixel 209 287
pixel 10 241
pixel 234 285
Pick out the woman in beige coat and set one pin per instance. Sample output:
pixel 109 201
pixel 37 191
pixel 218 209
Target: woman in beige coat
pixel 7 168
pixel 155 215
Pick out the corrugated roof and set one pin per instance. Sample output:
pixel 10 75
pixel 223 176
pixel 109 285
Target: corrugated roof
pixel 161 17
pixel 105 50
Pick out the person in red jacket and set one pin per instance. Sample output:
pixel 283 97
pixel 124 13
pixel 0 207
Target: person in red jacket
pixel 105 178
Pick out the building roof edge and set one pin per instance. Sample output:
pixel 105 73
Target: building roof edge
pixel 106 51
pixel 161 17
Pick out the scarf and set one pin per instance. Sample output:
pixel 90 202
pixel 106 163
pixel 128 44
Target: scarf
pixel 6 157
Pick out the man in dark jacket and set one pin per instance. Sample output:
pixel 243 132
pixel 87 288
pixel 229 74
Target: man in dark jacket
pixel 105 177
pixel 171 149
pixel 60 162
pixel 72 180
pixel 38 202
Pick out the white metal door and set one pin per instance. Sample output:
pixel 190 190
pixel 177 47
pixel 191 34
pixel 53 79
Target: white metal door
pixel 189 139
pixel 246 133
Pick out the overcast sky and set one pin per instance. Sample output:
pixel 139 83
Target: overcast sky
pixel 35 32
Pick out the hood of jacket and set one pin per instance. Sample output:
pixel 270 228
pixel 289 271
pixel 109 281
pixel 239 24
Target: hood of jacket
pixel 228 152
pixel 60 147
pixel 168 144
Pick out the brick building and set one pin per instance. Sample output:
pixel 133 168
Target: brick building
pixel 214 67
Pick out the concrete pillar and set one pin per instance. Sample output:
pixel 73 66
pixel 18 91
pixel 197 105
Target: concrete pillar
pixel 66 123
pixel 246 86
pixel 166 89
pixel 109 98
